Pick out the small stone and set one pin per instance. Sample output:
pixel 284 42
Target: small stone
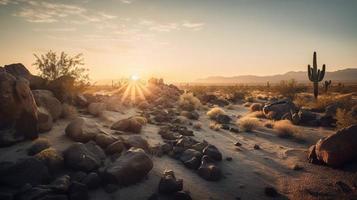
pixel 256 147
pixel 237 144
pixel 182 195
pixel 234 130
pixel 229 158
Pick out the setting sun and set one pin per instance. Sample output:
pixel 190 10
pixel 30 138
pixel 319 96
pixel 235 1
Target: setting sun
pixel 135 77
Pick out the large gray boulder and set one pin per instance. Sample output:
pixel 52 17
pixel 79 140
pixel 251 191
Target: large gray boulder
pixel 18 109
pixel 85 157
pixel 128 169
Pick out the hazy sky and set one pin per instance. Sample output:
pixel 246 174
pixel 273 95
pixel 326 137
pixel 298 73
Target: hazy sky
pixel 182 40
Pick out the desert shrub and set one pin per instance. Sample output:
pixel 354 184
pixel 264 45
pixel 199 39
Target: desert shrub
pixel 289 88
pixel 256 114
pixel 345 101
pixel 215 126
pixel 38 145
pixel 69 111
pixel 344 118
pixel 255 107
pixel 214 112
pixel 52 66
pixel 248 124
pixel 182 120
pixel 249 99
pixel 285 129
pixel 188 101
pixel 197 125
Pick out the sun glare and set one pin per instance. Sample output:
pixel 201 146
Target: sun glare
pixel 134 77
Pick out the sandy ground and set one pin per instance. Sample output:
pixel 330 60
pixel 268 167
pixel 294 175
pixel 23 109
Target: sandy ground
pixel 245 176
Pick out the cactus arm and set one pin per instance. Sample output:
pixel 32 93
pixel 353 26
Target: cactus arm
pixel 322 75
pixel 309 72
pixel 314 60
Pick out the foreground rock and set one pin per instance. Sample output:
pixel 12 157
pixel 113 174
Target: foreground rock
pixel 85 157
pixel 212 152
pixel 82 130
pixel 18 109
pixel 208 170
pixel 128 169
pixel 169 184
pixel 131 125
pixel 337 149
pixel 19 70
pixel 24 171
pixel 45 121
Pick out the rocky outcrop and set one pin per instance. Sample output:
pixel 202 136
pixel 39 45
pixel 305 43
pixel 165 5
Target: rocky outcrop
pixel 127 125
pixel 169 184
pixel 18 109
pixel 45 121
pixel 128 169
pixel 208 170
pixel 19 70
pixel 63 88
pixel 337 149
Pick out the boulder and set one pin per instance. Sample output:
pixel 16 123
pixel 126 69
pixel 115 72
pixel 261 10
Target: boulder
pixel 82 129
pixel 92 181
pixel 191 158
pixel 212 152
pixel 78 191
pixel 339 148
pixel 185 142
pixel 81 101
pixel 223 119
pixel 190 115
pixel 137 142
pixel 128 169
pixel 208 170
pixel 45 121
pixel 21 172
pixel 38 145
pixel 116 147
pixel 18 108
pixel 128 125
pixel 85 157
pixel 96 108
pixel 46 99
pixel 182 195
pixel 169 184
pixel 279 108
pixel 9 137
pixel 104 140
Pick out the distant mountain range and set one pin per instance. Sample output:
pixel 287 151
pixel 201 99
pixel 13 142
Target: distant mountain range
pixel 345 75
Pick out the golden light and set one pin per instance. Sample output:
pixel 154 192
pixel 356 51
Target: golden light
pixel 134 77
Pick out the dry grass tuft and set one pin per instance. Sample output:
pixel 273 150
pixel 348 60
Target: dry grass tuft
pixel 269 124
pixel 188 101
pixel 344 119
pixel 215 126
pixel 69 111
pixel 256 114
pixel 248 124
pixel 285 129
pixel 214 112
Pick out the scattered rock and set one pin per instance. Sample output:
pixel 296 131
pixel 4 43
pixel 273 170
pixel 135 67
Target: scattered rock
pixel 190 115
pixel 185 142
pixel 343 187
pixel 61 184
pixel 85 157
pixel 191 158
pixel 116 147
pixel 182 195
pixel 128 125
pixel 81 101
pixel 279 108
pixel 234 130
pixel 223 119
pixel 45 121
pixel 212 152
pixel 238 144
pixel 136 141
pixel 104 140
pixel 9 137
pixel 256 147
pixel 63 88
pixel 22 172
pixel 51 158
pixel 169 184
pixel 200 146
pixel 92 180
pixel 82 129
pixel 96 108
pixel 208 170
pixel 229 158
pixel 129 168
pixel 38 145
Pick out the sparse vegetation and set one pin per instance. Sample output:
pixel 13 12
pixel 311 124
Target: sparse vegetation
pixel 52 66
pixel 285 129
pixel 215 126
pixel 345 118
pixel 248 124
pixel 189 102
pixel 315 75
pixel 214 112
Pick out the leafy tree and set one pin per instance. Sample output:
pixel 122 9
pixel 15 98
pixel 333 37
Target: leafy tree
pixel 53 66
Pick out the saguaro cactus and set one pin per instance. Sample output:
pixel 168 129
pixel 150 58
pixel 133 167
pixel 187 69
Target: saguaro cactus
pixel 315 75
pixel 327 84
